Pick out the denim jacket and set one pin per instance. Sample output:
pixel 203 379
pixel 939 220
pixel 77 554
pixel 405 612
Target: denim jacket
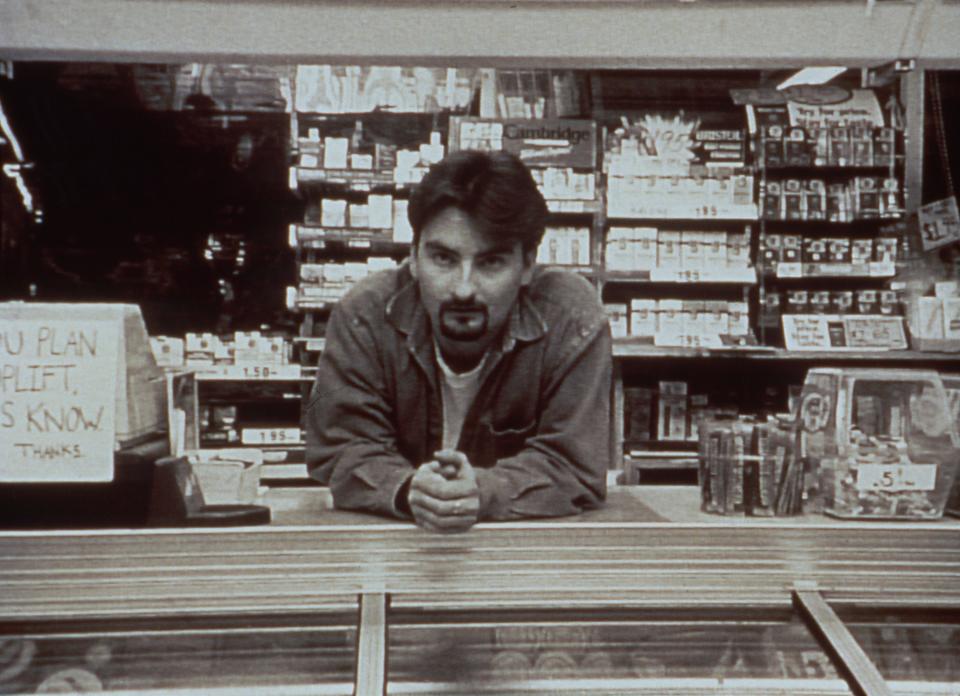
pixel 538 432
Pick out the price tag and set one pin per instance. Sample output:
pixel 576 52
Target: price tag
pixel 359 243
pixel 270 436
pixel 789 270
pixel 882 268
pixel 897 477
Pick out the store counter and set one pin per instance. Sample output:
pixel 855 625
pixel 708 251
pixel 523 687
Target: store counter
pixel 627 599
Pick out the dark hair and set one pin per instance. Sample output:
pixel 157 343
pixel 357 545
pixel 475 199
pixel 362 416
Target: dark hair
pixel 494 188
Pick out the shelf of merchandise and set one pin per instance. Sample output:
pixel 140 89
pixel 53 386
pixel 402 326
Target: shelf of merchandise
pixel 632 348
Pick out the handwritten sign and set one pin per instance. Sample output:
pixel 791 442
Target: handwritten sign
pixel 58 385
pixel 939 223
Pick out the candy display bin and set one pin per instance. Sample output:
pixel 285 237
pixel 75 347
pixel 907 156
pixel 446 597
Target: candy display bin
pixel 882 441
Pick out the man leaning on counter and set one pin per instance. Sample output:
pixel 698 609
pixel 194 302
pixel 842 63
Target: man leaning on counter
pixel 469 383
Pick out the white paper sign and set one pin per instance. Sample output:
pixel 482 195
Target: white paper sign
pixel 897 477
pixel 939 223
pixel 58 384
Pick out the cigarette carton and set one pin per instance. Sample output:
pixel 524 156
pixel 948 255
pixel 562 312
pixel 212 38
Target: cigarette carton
pixel 645 248
pixel 359 215
pixel 739 320
pixel 838 203
pixel 951 317
pixel 643 317
pixel 772 137
pixel 885 249
pixel 861 251
pixel 669 322
pixel 815 199
pixel 867 197
pixel 668 250
pixel 771 250
pixel 861 145
pixel 335 153
pixel 798 302
pixel 868 302
pixel 820 302
pixel 838 250
pixel 842 301
pixel 738 249
pixel 814 250
pixel 672 411
pixel 333 212
pixel 617 316
pixel 380 211
pixel 691 251
pixel 890 303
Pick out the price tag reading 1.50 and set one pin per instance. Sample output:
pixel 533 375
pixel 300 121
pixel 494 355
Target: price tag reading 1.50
pixel 897 477
pixel 270 436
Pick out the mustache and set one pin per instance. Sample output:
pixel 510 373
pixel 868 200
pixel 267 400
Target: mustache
pixel 461 305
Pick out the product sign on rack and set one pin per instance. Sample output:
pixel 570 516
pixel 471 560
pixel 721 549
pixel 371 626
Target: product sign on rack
pixel 939 223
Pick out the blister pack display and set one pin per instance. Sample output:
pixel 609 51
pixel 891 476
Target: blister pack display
pixel 881 441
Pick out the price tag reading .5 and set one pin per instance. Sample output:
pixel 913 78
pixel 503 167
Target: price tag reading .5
pixel 897 477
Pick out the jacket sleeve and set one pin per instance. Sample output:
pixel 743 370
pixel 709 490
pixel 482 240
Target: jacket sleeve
pixel 351 440
pixel 562 467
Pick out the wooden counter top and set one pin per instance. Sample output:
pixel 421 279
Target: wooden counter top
pixel 313 558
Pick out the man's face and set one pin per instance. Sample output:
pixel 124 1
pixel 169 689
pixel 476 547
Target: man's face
pixel 468 283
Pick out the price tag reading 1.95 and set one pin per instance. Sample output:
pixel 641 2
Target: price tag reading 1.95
pixel 897 477
pixel 270 436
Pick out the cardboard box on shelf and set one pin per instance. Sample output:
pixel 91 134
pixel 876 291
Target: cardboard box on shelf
pixel 668 250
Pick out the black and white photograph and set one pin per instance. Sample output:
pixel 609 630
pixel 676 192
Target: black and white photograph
pixel 480 348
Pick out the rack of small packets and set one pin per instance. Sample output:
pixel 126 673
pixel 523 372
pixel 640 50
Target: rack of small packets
pixel 750 467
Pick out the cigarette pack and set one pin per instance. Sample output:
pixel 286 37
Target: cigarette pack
pixel 861 146
pixel 773 155
pixel 884 147
pixel 868 301
pixel 815 199
pixel 793 200
pixel 792 249
pixel 838 250
pixel 796 150
pixel 891 205
pixel 771 250
pixel 885 249
pixel 820 137
pixel 770 309
pixel 643 317
pixel 820 302
pixel 839 147
pixel 890 303
pixel 842 301
pixel 838 203
pixel 814 250
pixel 798 302
pixel 861 251
pixel 867 197
pixel 772 201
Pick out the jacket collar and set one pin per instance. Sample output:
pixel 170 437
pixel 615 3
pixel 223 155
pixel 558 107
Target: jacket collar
pixel 405 312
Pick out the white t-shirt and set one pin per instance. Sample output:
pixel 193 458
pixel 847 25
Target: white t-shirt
pixel 457 393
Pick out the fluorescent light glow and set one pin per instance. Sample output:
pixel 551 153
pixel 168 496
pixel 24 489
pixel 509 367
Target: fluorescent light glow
pixel 811 76
pixel 7 131
pixel 13 172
